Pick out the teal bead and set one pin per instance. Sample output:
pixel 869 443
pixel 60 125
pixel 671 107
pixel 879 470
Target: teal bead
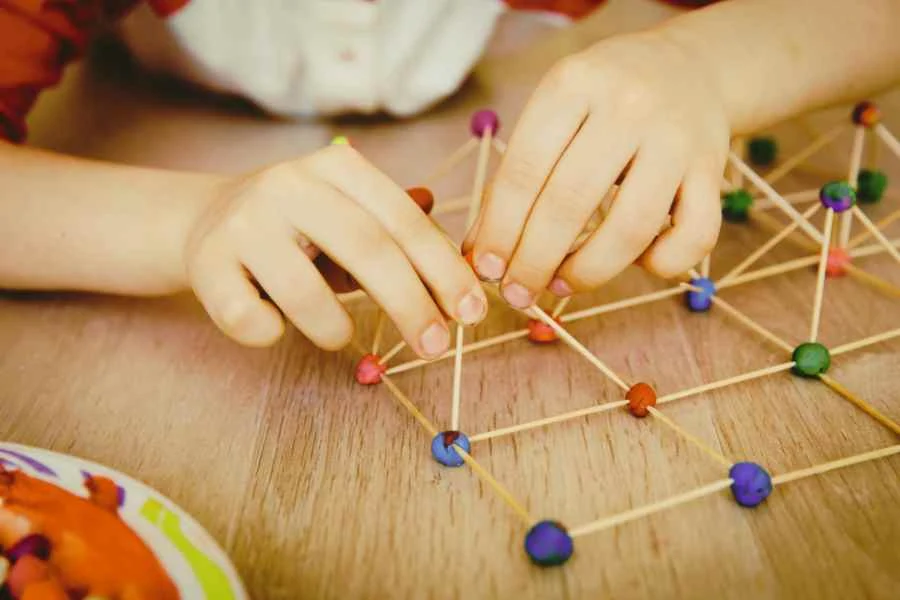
pixel 736 205
pixel 870 186
pixel 812 359
pixel 762 151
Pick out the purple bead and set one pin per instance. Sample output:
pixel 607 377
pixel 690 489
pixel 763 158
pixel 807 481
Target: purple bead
pixel 34 544
pixel 482 120
pixel 751 483
pixel 548 544
pixel 837 195
pixel 700 301
pixel 443 448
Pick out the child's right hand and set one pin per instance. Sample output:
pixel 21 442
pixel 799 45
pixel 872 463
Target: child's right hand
pixel 270 225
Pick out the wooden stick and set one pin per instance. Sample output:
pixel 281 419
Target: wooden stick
pixel 873 249
pixel 771 243
pixel 763 203
pixel 780 202
pixel 620 304
pixel 751 324
pixel 577 346
pixel 500 339
pixel 582 412
pixel 392 352
pixel 560 306
pixel 836 464
pixel 773 225
pixel 766 272
pixel 457 379
pixel 499 146
pixel 820 279
pixel 458 155
pixel 862 218
pixel 451 206
pixel 860 403
pixel 873 151
pixel 379 331
pixel 649 509
pixel 880 224
pixel 409 406
pixel 495 485
pixel 700 389
pixel 817 144
pixel 872 281
pixel 706 265
pixel 866 341
pixel 484 155
pixel 733 175
pixel 712 453
pixel 859 140
pixel 353 296
pixel 888 138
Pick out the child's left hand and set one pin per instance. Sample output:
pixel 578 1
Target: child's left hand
pixel 637 108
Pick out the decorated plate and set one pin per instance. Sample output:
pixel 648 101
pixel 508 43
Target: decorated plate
pixel 70 528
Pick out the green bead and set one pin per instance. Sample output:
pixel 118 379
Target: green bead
pixel 762 151
pixel 736 205
pixel 811 359
pixel 340 140
pixel 870 186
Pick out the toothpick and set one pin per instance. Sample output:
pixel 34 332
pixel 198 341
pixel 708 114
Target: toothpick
pixel 866 341
pixel 650 509
pixel 763 203
pixel 872 281
pixel 484 155
pixel 707 387
pixel 458 155
pixel 820 278
pixel 732 174
pixel 773 225
pixel 613 306
pixel 409 406
pixel 859 138
pixel 392 352
pixel 817 144
pixel 862 218
pixel 880 225
pixel 495 485
pixel 451 206
pixel 836 464
pixel 756 255
pixel 353 296
pixel 457 379
pixel 860 403
pixel 709 451
pixel 582 412
pixel 766 272
pixel 577 346
pixel 500 339
pixel 379 330
pixel 780 202
pixel 560 306
pixel 705 265
pixel 888 138
pixel 751 324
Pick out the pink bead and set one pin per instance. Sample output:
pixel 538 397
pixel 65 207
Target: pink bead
pixel 369 370
pixel 484 120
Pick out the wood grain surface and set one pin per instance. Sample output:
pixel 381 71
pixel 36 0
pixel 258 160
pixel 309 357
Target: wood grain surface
pixel 320 488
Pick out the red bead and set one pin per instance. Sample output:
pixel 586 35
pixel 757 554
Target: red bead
pixel 866 114
pixel 836 264
pixel 423 197
pixel 27 571
pixel 484 120
pixel 369 370
pixel 541 333
pixel 640 398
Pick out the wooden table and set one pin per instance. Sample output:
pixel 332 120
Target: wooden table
pixel 320 488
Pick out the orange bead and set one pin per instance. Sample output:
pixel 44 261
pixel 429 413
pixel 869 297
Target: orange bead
pixel 640 398
pixel 470 259
pixel 27 571
pixel 541 333
pixel 866 114
pixel 49 589
pixel 836 263
pixel 423 197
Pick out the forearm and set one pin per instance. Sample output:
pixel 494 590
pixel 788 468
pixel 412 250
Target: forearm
pixel 772 59
pixel 74 224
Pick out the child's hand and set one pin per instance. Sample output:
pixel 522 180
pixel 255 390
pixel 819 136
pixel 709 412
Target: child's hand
pixel 270 225
pixel 637 109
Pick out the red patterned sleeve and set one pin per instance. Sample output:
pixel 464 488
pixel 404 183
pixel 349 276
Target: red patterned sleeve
pixel 38 38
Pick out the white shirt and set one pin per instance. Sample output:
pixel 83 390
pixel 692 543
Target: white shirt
pixel 319 57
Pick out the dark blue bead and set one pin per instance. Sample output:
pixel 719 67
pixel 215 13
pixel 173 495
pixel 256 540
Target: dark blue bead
pixel 751 483
pixel 700 301
pixel 548 544
pixel 443 451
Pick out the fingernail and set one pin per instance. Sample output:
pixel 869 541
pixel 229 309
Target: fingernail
pixel 517 295
pixel 472 307
pixel 560 288
pixel 435 340
pixel 490 266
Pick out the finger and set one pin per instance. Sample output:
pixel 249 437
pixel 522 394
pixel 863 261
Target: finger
pixel 355 241
pixel 564 208
pixel 435 258
pixel 232 301
pixel 296 286
pixel 547 126
pixel 696 220
pixel 635 218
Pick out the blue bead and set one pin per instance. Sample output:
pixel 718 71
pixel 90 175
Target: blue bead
pixel 752 484
pixel 548 544
pixel 700 301
pixel 443 451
